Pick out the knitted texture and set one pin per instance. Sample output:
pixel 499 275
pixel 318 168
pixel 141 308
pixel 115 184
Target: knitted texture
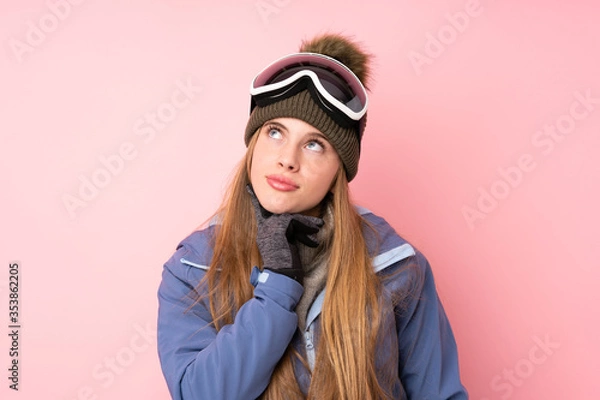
pixel 302 106
pixel 278 236
pixel 315 262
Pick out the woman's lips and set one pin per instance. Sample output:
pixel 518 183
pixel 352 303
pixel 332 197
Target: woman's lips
pixel 281 183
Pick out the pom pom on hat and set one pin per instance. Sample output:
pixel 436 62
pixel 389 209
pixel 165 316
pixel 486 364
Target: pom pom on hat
pixel 343 50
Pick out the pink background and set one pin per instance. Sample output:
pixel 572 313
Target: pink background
pixel 456 156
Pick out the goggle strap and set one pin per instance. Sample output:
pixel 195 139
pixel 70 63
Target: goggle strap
pixel 267 98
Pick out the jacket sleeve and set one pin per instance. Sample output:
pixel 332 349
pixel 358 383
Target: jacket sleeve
pixel 428 354
pixel 235 363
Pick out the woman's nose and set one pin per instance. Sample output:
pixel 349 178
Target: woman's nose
pixel 288 158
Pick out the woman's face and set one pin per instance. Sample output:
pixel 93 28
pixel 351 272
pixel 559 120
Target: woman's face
pixel 293 166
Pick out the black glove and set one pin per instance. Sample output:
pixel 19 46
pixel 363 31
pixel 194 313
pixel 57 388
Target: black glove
pixel 278 235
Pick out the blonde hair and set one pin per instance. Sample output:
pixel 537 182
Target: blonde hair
pixel 345 365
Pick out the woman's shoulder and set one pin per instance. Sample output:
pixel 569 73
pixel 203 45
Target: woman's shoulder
pixel 387 246
pixel 393 254
pixel 192 255
pixel 381 237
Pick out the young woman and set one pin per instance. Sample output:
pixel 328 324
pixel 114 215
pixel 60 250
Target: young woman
pixel 292 292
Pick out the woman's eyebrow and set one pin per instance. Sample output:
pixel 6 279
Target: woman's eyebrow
pixel 319 135
pixel 277 124
pixel 311 134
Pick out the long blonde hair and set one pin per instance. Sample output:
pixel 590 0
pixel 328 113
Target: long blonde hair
pixel 345 365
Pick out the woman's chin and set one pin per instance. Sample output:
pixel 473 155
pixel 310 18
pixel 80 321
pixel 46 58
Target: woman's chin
pixel 278 209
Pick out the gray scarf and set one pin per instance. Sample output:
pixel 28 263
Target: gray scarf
pixel 315 264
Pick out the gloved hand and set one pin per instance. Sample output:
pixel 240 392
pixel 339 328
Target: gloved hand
pixel 278 235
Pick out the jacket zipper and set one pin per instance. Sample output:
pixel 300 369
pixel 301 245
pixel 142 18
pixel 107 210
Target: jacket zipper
pixel 310 348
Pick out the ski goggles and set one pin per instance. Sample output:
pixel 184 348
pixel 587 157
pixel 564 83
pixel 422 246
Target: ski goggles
pixel 336 88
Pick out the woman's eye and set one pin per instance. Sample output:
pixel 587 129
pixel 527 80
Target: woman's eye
pixel 315 146
pixel 274 133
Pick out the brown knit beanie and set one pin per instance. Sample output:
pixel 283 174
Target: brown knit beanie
pixel 346 141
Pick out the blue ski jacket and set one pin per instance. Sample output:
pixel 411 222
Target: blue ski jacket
pixel 237 362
